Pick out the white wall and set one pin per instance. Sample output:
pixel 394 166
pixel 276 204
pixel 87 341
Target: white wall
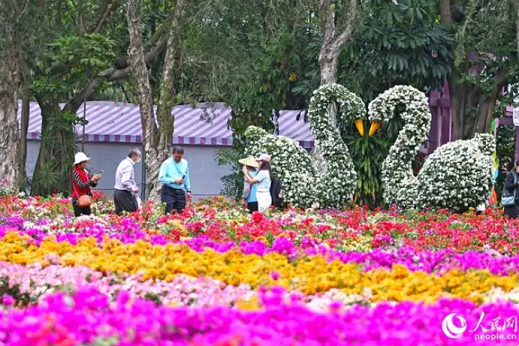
pixel 205 174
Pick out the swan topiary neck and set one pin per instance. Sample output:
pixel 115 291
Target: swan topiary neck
pixel 337 179
pixel 398 180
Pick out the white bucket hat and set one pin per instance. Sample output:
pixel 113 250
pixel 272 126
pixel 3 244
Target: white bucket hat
pixel 80 157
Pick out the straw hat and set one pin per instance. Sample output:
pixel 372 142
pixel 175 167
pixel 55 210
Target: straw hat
pixel 249 161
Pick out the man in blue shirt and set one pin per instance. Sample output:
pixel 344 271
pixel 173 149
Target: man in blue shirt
pixel 174 175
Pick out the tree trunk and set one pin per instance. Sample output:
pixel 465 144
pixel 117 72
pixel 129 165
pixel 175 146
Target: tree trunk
pixel 456 112
pixel 9 80
pixel 9 141
pixel 24 129
pixel 167 92
pixel 156 141
pixel 332 40
pixel 472 108
pixel 56 155
pixel 328 66
pixel 445 11
pixel 144 94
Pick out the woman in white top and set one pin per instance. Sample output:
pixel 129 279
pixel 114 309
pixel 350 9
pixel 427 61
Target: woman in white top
pixel 263 178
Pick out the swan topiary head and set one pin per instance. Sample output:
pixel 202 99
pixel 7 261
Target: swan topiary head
pixel 351 108
pixel 413 103
pixel 254 133
pixel 487 143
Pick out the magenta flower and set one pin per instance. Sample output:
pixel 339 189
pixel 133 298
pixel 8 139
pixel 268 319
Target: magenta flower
pixel 7 300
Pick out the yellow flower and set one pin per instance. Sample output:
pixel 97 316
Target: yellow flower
pixel 248 305
pixel 309 275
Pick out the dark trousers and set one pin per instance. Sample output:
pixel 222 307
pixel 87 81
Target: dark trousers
pixel 174 199
pixel 78 211
pixel 124 201
pixel 512 211
pixel 252 206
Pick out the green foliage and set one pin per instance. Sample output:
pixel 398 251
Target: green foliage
pixel 392 44
pixel 245 55
pixel 397 44
pixel 367 154
pixel 72 62
pixel 475 47
pixel 20 299
pixel 110 341
pixel 484 63
pixel 68 57
pixel 49 177
pixel 232 183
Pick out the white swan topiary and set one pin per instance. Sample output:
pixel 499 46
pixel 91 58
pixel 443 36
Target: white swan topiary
pixel 291 163
pixel 331 185
pixel 456 176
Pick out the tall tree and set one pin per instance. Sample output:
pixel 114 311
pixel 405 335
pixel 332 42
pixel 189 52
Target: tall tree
pixel 483 64
pixel 78 64
pixel 247 55
pixel 19 35
pixel 156 139
pixel 77 48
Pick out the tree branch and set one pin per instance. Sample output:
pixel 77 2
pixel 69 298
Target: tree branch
pixel 22 12
pixel 500 78
pixel 326 16
pixel 341 39
pixel 107 14
pixel 157 43
pixel 113 74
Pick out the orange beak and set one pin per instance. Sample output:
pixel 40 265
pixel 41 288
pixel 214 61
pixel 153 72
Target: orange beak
pixel 373 128
pixel 359 124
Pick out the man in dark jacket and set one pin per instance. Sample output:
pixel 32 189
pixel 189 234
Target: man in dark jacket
pixel 275 193
pixel 512 186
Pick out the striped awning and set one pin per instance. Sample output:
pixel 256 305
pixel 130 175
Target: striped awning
pixel 292 124
pixel 204 125
pixel 121 122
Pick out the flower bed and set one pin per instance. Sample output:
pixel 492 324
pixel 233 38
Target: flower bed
pixel 214 275
pixel 89 318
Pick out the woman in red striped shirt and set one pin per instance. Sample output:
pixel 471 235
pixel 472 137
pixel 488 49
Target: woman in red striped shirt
pixel 81 185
